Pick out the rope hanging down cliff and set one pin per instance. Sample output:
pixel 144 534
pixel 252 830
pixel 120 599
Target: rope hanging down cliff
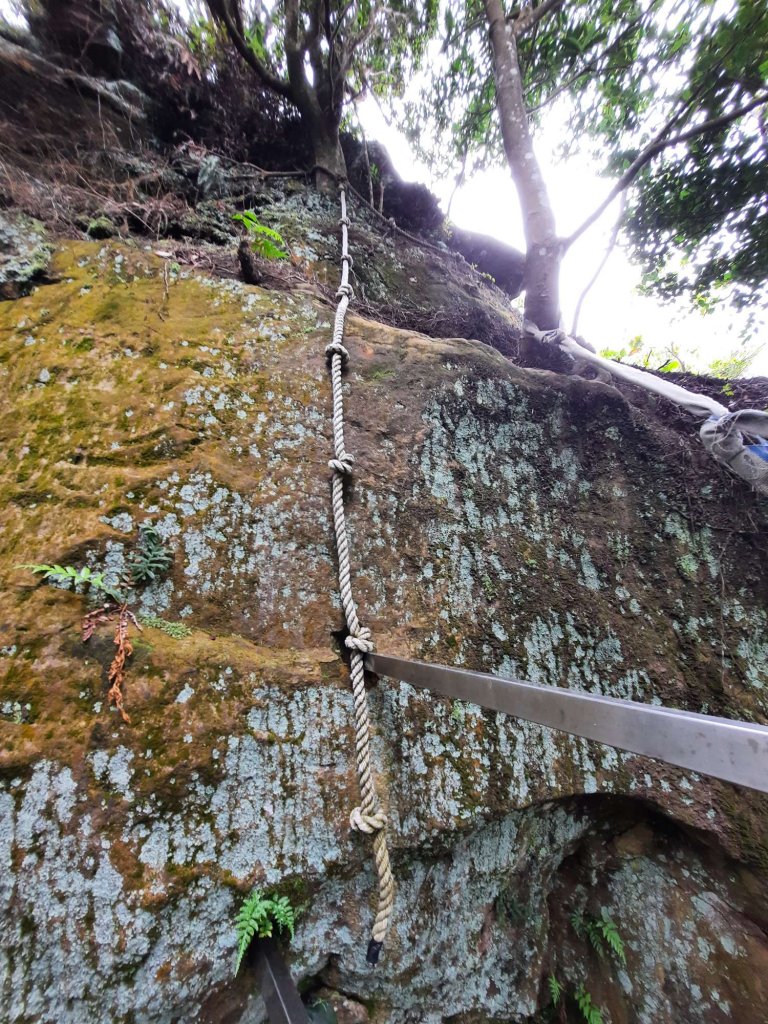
pixel 369 816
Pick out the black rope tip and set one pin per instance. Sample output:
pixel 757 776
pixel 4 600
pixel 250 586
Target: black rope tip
pixel 374 948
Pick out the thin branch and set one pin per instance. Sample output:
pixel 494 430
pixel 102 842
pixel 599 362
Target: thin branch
pixel 658 145
pixel 603 261
pixel 531 16
pixel 561 89
pixel 222 13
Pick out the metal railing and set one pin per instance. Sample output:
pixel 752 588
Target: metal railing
pixel 725 749
pixel 280 995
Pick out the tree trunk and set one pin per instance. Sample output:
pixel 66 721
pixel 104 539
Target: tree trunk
pixel 330 165
pixel 543 252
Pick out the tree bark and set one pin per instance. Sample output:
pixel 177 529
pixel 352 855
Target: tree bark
pixel 543 251
pixel 319 103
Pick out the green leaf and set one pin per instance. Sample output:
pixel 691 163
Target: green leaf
pixel 555 989
pixel 257 917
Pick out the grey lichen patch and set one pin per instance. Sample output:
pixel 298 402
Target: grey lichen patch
pixel 24 253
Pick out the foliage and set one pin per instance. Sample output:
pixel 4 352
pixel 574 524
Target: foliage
pixel 589 1011
pixel 628 77
pixel 68 574
pixel 555 989
pixel 457 712
pixel 152 559
pixel 699 222
pixel 320 1011
pixel 265 241
pixel 177 630
pixel 600 932
pixel 258 917
pixel 318 55
pixel 671 359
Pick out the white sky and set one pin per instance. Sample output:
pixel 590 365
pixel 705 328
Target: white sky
pixel 613 312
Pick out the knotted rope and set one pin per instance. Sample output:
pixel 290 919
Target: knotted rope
pixel 369 816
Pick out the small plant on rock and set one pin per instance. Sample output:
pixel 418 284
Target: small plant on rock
pixel 265 242
pixel 603 936
pixel 150 560
pixel 68 574
pixel 258 917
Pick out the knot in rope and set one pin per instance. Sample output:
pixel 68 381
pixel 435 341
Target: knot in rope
pixel 360 641
pixel 337 347
pixel 368 823
pixel 343 463
pixel 345 290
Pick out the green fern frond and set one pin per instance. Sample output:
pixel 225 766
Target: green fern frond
pixel 257 917
pixel 555 989
pixel 611 935
pixel 265 241
pixel 283 913
pixel 577 923
pixel 152 558
pixel 252 920
pixel 595 936
pixel 69 574
pixel 589 1011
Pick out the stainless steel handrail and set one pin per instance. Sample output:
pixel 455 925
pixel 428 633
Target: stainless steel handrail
pixel 280 995
pixel 725 749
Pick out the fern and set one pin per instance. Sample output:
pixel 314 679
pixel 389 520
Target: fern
pixel 589 1011
pixel 555 989
pixel 600 932
pixel 257 918
pixel 265 241
pixel 611 935
pixel 177 630
pixel 595 936
pixel 68 574
pixel 152 559
pixel 283 914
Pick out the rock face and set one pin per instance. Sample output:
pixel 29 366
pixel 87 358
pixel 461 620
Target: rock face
pixel 512 520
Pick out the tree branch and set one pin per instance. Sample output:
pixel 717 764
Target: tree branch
pixel 601 265
pixel 529 17
pixel 221 12
pixel 655 147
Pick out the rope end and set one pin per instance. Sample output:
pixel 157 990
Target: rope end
pixel 374 948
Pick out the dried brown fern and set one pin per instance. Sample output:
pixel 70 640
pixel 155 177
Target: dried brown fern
pixel 116 675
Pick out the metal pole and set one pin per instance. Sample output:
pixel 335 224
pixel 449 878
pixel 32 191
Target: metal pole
pixel 725 749
pixel 280 995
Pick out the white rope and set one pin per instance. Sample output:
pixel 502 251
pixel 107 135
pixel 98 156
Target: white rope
pixel 369 816
pixel 720 433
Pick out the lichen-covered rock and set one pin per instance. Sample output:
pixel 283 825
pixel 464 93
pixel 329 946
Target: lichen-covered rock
pixel 506 519
pixel 24 253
